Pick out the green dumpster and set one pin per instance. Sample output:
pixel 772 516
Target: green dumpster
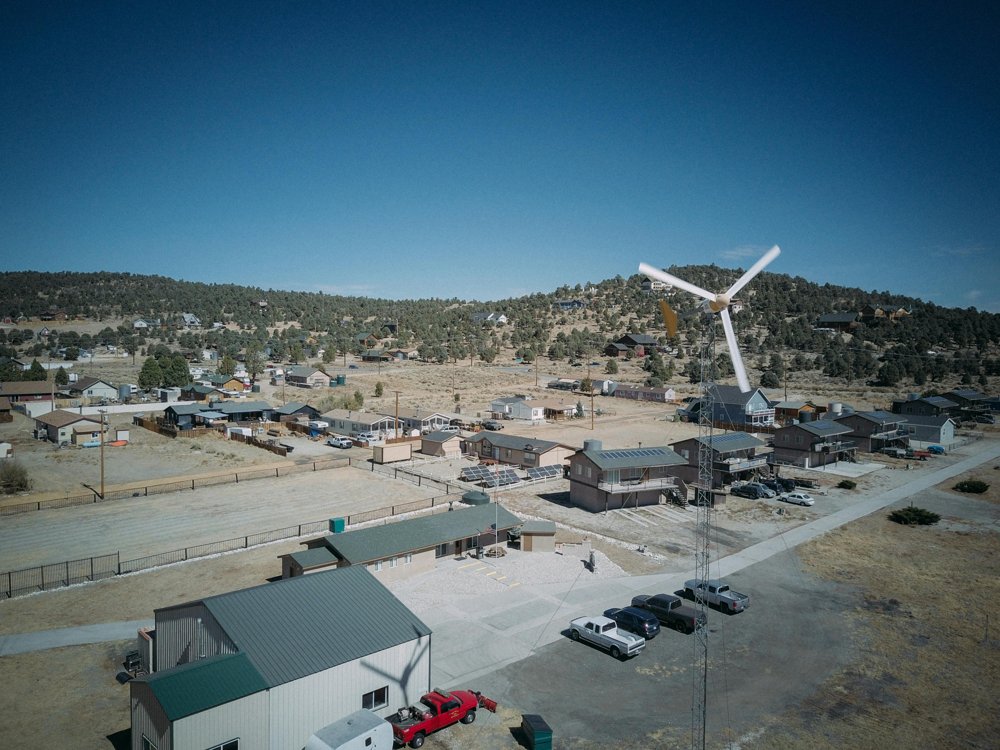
pixel 536 731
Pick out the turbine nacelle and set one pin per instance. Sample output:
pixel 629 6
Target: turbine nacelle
pixel 719 303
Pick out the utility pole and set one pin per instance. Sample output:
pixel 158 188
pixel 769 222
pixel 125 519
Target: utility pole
pixel 101 412
pixel 396 428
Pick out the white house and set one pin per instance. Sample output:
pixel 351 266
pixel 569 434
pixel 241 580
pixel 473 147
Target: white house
pixel 531 410
pixel 265 667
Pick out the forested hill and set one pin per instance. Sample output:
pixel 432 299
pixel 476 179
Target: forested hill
pixel 779 313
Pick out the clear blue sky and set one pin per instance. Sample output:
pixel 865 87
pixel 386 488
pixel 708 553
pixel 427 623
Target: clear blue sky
pixel 485 150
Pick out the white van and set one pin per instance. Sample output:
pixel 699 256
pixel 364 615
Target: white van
pixel 362 730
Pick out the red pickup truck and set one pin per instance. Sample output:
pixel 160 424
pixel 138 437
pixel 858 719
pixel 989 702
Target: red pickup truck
pixel 436 710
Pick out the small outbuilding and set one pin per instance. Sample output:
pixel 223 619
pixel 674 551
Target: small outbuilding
pixel 538 536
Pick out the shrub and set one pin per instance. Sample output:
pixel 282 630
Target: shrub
pixel 972 485
pixel 847 484
pixel 14 478
pixel 912 516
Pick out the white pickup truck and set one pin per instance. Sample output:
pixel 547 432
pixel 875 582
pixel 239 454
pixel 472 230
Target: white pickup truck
pixel 604 633
pixel 717 593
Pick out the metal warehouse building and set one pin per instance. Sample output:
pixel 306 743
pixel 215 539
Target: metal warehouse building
pixel 263 668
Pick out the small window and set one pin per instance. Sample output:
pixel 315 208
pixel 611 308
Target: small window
pixel 579 468
pixel 147 743
pixel 392 562
pixel 408 559
pixel 375 699
pixel 378 565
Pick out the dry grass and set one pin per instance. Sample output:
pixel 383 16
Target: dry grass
pixel 928 640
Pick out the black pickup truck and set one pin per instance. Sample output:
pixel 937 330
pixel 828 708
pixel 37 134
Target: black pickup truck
pixel 671 611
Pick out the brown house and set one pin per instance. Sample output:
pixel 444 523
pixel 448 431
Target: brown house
pixel 603 480
pixel 528 453
pixel 815 443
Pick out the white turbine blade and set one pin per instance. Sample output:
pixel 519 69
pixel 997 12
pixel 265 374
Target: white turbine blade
pixel 734 351
pixel 657 273
pixel 755 269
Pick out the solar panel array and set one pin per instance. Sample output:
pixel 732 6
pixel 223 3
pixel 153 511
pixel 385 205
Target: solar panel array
pixel 476 473
pixel 634 453
pixel 545 472
pixel 501 478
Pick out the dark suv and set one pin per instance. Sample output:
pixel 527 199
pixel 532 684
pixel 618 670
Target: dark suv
pixel 749 490
pixel 779 484
pixel 635 620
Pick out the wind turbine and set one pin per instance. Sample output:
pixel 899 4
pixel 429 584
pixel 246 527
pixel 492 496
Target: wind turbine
pixel 719 303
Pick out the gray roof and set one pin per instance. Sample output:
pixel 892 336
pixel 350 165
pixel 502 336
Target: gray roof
pixel 514 442
pixel 314 558
pixel 380 542
pixel 303 371
pixel 926 420
pixel 291 407
pixel 299 626
pixel 186 409
pixel 539 527
pixel 939 401
pixel 242 407
pixel 627 458
pixel 825 428
pixel 880 417
pixel 203 684
pixel 731 394
pixel 838 317
pixel 732 441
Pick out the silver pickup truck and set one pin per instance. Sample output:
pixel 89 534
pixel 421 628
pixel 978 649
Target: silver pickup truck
pixel 604 633
pixel 717 593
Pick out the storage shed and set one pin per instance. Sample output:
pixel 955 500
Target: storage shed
pixel 538 536
pixel 266 667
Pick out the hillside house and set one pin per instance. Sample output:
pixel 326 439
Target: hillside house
pixel 350 423
pixel 735 456
pixel 603 480
pixel 515 450
pixel 660 395
pixel 441 444
pixel 489 318
pixel 931 430
pixel 813 443
pixel 93 390
pixel 19 391
pixel 306 377
pixel 874 430
pixel 734 410
pixel 928 406
pixel 838 321
pixel 267 666
pixel 60 426
pixel 406 548
pixel 640 344
pixel 419 421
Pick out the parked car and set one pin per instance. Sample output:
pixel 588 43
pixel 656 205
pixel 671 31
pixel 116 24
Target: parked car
pixel 365 437
pixel 339 442
pixel 809 484
pixel 492 424
pixel 936 450
pixel 779 484
pixel 752 491
pixel 768 492
pixel 985 419
pixel 448 428
pixel 798 498
pixel 604 633
pixel 635 620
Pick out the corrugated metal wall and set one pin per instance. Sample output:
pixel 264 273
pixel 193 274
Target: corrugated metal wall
pixel 299 708
pixel 187 634
pixel 148 718
pixel 246 719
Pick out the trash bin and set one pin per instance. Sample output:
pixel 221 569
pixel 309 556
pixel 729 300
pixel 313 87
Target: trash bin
pixel 479 553
pixel 536 731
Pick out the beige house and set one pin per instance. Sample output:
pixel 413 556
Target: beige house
pixel 442 445
pixel 61 426
pixel 307 377
pixel 520 451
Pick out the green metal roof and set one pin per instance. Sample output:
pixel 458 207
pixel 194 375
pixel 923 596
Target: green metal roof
pixel 380 542
pixel 204 684
pixel 299 626
pixel 539 527
pixel 314 558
